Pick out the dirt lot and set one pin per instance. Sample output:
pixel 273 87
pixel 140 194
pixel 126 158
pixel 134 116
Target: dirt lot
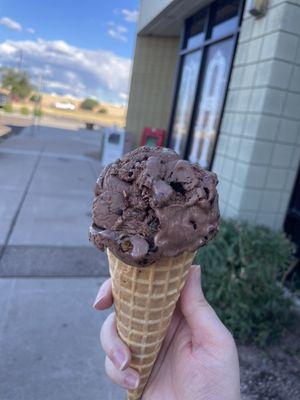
pixel 272 373
pixel 114 115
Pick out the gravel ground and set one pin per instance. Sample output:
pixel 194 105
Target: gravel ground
pixel 272 373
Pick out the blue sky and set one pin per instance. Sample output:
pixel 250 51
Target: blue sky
pixel 82 48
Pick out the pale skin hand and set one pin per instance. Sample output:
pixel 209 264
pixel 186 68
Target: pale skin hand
pixel 198 359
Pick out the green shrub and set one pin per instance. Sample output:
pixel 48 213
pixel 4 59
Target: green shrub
pixel 102 111
pixel 38 112
pixel 8 108
pixel 24 111
pixel 242 273
pixel 88 104
pixel 35 98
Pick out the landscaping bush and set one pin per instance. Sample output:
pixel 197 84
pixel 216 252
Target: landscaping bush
pixel 38 113
pixel 24 111
pixel 8 108
pixel 241 277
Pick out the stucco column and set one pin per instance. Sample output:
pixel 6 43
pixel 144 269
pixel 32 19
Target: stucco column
pixel 152 84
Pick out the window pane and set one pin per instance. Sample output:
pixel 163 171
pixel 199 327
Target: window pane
pixel 185 101
pixel 225 18
pixel 209 107
pixel 195 35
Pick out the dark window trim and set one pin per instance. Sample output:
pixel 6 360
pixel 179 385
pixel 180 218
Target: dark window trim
pixel 204 46
pixel 176 86
pixel 206 43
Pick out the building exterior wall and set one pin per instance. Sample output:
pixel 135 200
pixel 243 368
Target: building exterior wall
pixel 258 150
pixel 152 84
pixel 149 10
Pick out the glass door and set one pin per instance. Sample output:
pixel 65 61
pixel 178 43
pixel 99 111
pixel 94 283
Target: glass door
pixel 208 44
pixel 185 101
pixel 208 110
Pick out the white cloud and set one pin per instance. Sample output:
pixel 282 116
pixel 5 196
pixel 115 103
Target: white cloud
pixel 130 15
pixel 31 31
pixel 123 96
pixel 11 24
pixel 69 69
pixel 117 35
pixel 8 48
pixel 122 29
pixel 44 71
pixel 117 31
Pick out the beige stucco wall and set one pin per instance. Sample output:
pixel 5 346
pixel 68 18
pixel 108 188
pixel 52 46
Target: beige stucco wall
pixel 152 84
pixel 258 151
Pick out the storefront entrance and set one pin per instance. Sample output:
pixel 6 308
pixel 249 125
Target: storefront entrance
pixel 208 44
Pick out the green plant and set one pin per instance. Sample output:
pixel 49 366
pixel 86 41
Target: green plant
pixel 24 111
pixel 38 113
pixel 8 108
pixel 17 82
pixel 35 98
pixel 88 104
pixel 242 273
pixel 102 111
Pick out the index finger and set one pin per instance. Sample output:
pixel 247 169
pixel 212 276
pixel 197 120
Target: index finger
pixel 104 298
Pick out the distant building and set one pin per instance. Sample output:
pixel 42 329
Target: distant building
pixel 226 87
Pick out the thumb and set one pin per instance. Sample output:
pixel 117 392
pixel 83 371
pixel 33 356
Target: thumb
pixel 204 323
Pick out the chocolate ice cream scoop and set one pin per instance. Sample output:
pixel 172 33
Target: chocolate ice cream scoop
pixel 152 204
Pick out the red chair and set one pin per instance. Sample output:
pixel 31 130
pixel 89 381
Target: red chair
pixel 153 137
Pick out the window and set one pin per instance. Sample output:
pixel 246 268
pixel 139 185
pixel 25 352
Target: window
pixel 196 28
pixel 208 44
pixel 225 18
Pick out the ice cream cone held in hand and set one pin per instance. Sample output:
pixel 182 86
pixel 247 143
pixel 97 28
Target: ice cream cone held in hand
pixel 145 300
pixel 151 211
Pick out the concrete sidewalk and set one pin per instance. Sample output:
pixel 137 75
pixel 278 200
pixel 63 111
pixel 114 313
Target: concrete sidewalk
pixel 49 341
pixel 47 177
pixel 49 273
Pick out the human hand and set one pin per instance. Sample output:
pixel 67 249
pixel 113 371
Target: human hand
pixel 198 359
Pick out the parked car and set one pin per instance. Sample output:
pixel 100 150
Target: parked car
pixel 64 106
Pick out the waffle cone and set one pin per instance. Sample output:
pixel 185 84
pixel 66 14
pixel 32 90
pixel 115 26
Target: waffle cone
pixel 145 300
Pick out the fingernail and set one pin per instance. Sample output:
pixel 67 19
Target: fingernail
pixel 131 381
pixel 195 267
pixel 119 359
pixel 99 297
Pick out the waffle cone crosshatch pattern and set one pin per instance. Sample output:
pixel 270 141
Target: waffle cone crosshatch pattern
pixel 145 299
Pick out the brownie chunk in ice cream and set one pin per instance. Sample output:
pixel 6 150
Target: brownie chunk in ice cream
pixel 152 204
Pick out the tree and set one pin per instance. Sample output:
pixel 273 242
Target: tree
pixel 88 104
pixel 18 83
pixel 35 98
